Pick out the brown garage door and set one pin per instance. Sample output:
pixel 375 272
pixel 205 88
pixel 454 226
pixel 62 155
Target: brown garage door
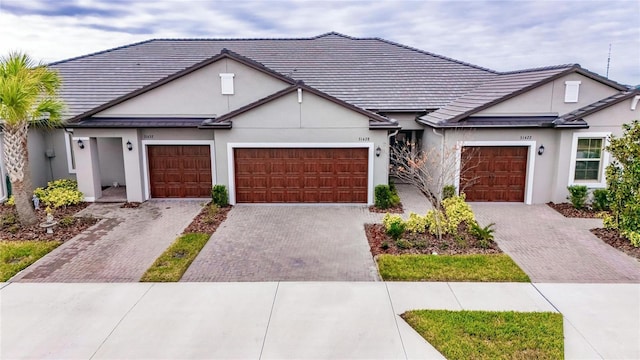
pixel 494 173
pixel 182 171
pixel 301 175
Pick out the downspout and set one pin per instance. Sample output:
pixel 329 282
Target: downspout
pixel 389 147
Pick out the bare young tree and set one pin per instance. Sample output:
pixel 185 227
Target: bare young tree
pixel 432 168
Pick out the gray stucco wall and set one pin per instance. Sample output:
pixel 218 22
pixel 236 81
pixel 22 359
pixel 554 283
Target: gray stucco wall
pixel 314 121
pixel 198 94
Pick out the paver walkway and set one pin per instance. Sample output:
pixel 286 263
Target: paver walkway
pixel 552 248
pixel 277 242
pixel 120 248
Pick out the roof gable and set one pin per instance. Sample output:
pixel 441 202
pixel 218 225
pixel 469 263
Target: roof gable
pixel 375 121
pixel 224 54
pixel 504 87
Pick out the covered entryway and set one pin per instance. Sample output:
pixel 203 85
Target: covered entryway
pixel 494 173
pixel 180 171
pixel 301 175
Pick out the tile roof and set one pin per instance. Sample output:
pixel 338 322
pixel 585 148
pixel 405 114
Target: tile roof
pixel 577 115
pixel 370 73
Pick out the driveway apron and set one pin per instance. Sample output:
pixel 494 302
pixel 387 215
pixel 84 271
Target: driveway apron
pixel 290 243
pixel 552 248
pixel 119 248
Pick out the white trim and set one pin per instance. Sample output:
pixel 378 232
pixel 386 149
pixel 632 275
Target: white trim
pixel 226 83
pixel 83 138
pixel 604 160
pixel 89 199
pixel 232 170
pixel 67 143
pixel 531 158
pixel 3 175
pixel 145 166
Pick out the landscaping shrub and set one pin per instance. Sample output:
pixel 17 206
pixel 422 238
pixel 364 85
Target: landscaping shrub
pixel 11 201
pixel 578 195
pixel 382 196
pixel 59 193
pixel 623 182
pixel 484 235
pixel 403 244
pixel 416 224
pixel 394 225
pixel 220 195
pixel 457 211
pixel 448 192
pixel 600 200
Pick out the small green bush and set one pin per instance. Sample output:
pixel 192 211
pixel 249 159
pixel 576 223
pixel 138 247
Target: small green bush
pixel 394 225
pixel 392 187
pixel 66 221
pixel 578 195
pixel 403 244
pixel 384 245
pixel 59 193
pixel 484 235
pixel 382 196
pixel 220 195
pixel 448 191
pixel 8 219
pixel 11 201
pixel 601 200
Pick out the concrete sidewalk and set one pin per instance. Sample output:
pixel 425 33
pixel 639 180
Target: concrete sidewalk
pixel 328 320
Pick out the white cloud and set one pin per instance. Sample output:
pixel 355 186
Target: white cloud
pixel 502 35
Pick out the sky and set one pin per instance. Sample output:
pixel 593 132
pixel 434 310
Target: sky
pixel 500 35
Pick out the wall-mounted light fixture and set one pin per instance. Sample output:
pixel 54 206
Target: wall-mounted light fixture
pixel 541 150
pixel 129 145
pixel 378 151
pixel 80 144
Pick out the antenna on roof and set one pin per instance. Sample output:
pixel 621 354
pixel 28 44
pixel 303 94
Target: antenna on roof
pixel 608 61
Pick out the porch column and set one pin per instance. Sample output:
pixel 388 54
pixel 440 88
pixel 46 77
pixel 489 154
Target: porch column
pixel 87 167
pixel 132 166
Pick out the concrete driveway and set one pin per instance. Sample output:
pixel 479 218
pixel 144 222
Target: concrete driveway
pixel 290 243
pixel 551 248
pixel 120 248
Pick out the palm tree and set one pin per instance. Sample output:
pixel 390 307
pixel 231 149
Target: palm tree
pixel 27 96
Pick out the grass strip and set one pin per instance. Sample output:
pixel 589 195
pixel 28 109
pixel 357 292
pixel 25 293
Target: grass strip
pixel 172 264
pixel 494 267
pixel 490 335
pixel 17 255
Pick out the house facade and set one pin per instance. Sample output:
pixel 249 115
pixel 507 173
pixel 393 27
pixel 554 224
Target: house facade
pixel 311 120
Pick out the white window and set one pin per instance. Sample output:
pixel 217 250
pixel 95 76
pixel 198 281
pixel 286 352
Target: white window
pixel 571 91
pixel 71 157
pixel 588 159
pixel 226 83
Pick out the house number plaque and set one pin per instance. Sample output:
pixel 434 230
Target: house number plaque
pixel 364 139
pixel 526 137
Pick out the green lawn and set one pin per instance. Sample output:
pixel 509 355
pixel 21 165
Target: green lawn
pixel 17 255
pixel 490 335
pixel 172 264
pixel 497 267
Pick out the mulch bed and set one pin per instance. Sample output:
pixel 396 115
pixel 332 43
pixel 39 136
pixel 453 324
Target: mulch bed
pixel 207 221
pixel 568 210
pixel 68 226
pixel 616 240
pixel 426 243
pixel 393 210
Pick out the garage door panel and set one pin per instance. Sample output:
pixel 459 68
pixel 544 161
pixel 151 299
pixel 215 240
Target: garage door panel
pixel 494 173
pixel 308 175
pixel 179 171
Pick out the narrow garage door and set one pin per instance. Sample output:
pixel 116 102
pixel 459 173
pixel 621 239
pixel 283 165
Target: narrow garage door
pixel 286 175
pixel 182 171
pixel 494 173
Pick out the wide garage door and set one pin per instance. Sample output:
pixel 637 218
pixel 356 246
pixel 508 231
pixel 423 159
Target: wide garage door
pixel 294 175
pixel 180 171
pixel 494 173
